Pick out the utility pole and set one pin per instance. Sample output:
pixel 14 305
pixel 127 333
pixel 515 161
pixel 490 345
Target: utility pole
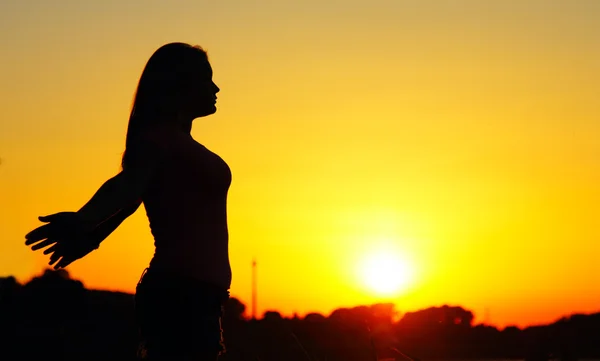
pixel 486 317
pixel 254 289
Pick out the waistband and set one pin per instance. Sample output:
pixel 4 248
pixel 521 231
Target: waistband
pixel 167 276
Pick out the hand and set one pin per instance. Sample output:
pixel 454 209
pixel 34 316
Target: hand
pixel 69 236
pixel 62 225
pixel 63 254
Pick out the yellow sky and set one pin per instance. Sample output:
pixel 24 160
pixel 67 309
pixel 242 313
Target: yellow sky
pixel 464 134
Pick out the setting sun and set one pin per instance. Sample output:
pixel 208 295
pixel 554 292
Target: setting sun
pixel 386 272
pixel 415 153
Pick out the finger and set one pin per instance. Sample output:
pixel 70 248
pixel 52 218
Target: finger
pixel 52 217
pixel 64 262
pixel 51 230
pixel 56 256
pixel 58 252
pixel 36 234
pixel 51 249
pixel 43 244
pixel 39 233
pixel 53 260
pixel 33 241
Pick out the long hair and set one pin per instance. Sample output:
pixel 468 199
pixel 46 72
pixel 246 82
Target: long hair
pixel 166 77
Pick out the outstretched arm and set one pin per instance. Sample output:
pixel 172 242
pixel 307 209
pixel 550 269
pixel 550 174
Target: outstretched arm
pixel 65 251
pixel 108 226
pixel 118 194
pixel 71 234
pixel 69 226
pixel 125 190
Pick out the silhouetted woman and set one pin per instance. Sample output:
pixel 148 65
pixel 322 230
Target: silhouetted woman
pixel 183 185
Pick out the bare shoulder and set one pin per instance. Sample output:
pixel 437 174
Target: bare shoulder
pixel 151 146
pixel 158 136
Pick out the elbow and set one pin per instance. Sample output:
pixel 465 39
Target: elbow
pixel 127 211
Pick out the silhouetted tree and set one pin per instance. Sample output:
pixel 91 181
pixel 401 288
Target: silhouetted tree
pixel 234 309
pixel 53 317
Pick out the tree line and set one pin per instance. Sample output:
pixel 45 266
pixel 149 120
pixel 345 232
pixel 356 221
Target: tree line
pixel 54 317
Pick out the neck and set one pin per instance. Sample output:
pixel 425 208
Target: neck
pixel 186 127
pixel 185 122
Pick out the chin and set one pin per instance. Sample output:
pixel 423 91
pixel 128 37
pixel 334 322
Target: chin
pixel 210 110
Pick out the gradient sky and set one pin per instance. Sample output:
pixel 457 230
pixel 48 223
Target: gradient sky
pixel 465 134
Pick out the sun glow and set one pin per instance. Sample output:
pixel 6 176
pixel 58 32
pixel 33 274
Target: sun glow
pixel 386 272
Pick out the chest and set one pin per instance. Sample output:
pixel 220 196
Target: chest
pixel 194 166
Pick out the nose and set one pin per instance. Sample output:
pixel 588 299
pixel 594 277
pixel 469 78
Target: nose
pixel 216 88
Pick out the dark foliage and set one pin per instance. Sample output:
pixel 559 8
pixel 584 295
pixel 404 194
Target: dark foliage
pixel 53 317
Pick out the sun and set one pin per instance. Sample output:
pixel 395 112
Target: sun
pixel 385 272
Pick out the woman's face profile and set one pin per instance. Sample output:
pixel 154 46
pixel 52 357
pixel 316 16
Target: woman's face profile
pixel 202 98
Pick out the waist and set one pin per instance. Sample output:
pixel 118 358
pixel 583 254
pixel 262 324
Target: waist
pixel 162 279
pixel 213 268
pixel 190 234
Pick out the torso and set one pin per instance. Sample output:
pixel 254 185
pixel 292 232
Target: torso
pixel 187 209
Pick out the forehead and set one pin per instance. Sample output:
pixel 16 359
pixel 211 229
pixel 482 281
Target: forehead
pixel 203 68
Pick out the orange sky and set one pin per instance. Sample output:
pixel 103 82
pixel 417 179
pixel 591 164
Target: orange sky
pixel 463 134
